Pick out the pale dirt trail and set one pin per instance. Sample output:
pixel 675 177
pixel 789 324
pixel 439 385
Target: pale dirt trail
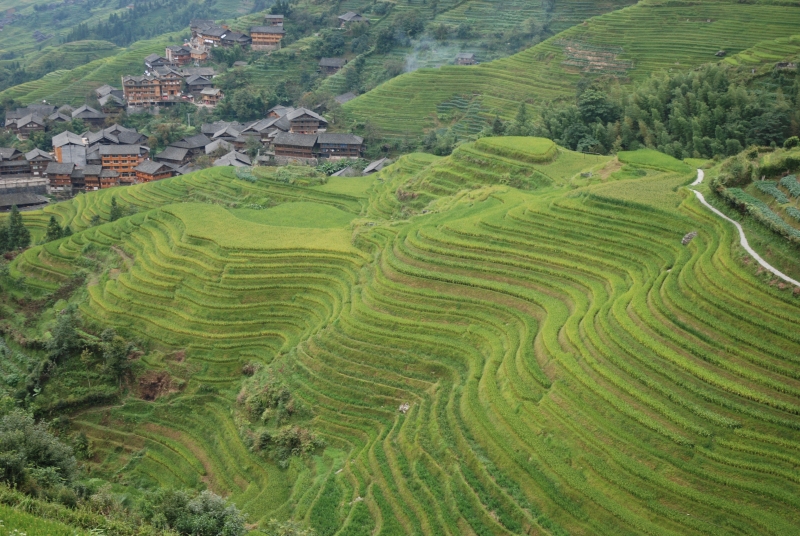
pixel 742 238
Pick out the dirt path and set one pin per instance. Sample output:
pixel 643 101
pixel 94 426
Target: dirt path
pixel 742 237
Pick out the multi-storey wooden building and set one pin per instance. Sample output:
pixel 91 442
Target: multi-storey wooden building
pixel 304 121
pixel 335 146
pixel 60 176
pixel 149 171
pixel 294 145
pixel 123 159
pixel 179 54
pixel 267 37
pixel 162 86
pixel 38 160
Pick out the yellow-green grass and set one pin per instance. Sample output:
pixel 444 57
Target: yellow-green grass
pixel 654 159
pixel 570 366
pixel 15 523
pixel 406 105
pixel 298 214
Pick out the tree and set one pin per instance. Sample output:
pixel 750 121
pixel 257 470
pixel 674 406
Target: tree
pixel 116 211
pixel 54 230
pixel 287 528
pixel 17 235
pixel 64 339
pixel 498 128
pixel 30 452
pixel 206 514
pixel 115 354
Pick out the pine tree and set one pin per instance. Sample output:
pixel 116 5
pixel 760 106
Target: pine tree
pixel 54 231
pixel 18 235
pixel 116 211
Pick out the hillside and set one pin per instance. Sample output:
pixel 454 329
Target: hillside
pixel 569 366
pixel 628 44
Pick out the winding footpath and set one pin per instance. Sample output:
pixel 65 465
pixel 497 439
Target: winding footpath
pixel 742 238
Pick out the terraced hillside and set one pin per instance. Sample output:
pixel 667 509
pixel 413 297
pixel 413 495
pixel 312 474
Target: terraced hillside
pixel 629 43
pixel 569 366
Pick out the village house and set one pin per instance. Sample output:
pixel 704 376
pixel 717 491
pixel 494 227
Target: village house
pixel 58 117
pixel 337 146
pixel 466 58
pixel 233 159
pixel 229 39
pixel 155 60
pixel 176 156
pixel 328 66
pixel 104 90
pixel 199 54
pixel 25 126
pixel 211 96
pixel 294 145
pixel 273 20
pixel 60 176
pixel 350 17
pixel 77 180
pixel 123 159
pixel 91 177
pixel 375 166
pixel 194 144
pixel 279 111
pixel 113 135
pixel 304 121
pixel 13 162
pixel 38 161
pixel 69 148
pixel 162 86
pixel 89 116
pixel 108 179
pixel 218 146
pixel 112 105
pixel 179 54
pixel 267 37
pixel 211 36
pixel 196 83
pixel 40 110
pixel 149 171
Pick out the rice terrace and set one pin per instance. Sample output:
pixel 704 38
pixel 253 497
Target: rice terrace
pixel 552 293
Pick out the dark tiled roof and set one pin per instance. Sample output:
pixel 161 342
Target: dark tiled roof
pixel 8 152
pixel 267 30
pixel 38 153
pixel 21 200
pixel 111 150
pixel 291 116
pixel 150 167
pixel 193 142
pixel 108 173
pixel 172 153
pixel 349 139
pixel 65 138
pixel 87 112
pixel 93 170
pixel 332 62
pixel 55 168
pixel 297 140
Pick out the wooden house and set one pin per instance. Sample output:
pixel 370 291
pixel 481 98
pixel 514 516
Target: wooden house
pixel 179 54
pixel 329 66
pixel 351 17
pixel 199 53
pixel 173 155
pixel 60 175
pixel 267 37
pixel 25 126
pixel 273 20
pixel 304 121
pixel 279 111
pixel 38 161
pixel 91 177
pixel 78 180
pixel 69 147
pixel 123 159
pixel 229 39
pixel 108 178
pixel 233 159
pixel 89 116
pixel 196 144
pixel 13 162
pixel 336 146
pixel 466 58
pixel 196 83
pixel 211 96
pixel 294 145
pixel 112 105
pixel 162 86
pixel 149 171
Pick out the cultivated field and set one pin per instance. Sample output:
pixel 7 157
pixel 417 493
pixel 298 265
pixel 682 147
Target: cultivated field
pixel 629 43
pixel 569 366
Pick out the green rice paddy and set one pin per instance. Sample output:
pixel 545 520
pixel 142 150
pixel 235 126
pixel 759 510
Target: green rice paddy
pixel 569 366
pixel 629 43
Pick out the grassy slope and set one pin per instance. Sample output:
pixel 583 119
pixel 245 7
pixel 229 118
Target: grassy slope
pixel 570 366
pixel 406 105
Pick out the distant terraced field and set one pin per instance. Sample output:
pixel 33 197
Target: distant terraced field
pixel 630 43
pixel 570 367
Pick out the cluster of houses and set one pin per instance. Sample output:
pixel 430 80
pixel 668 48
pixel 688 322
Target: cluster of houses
pixel 118 156
pixel 41 117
